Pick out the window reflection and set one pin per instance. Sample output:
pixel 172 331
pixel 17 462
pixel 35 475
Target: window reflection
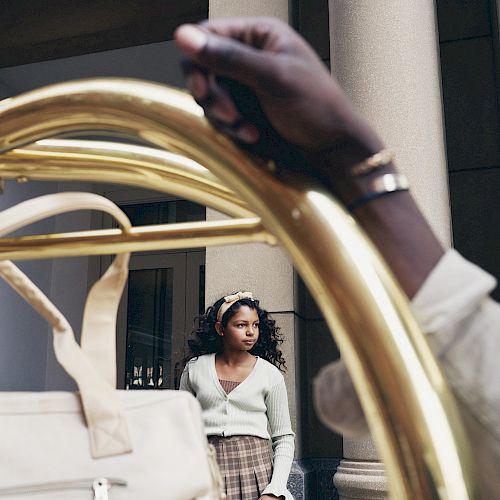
pixel 164 295
pixel 149 329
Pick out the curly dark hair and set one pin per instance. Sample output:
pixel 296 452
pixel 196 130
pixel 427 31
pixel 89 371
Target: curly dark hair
pixel 207 340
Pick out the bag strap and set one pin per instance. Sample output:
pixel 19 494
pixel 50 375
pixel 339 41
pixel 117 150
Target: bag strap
pixel 98 335
pixel 103 409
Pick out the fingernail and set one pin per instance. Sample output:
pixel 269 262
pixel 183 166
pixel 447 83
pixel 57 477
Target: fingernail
pixel 198 85
pixel 248 133
pixel 192 38
pixel 225 112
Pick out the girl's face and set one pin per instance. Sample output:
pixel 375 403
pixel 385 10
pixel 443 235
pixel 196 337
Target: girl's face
pixel 242 330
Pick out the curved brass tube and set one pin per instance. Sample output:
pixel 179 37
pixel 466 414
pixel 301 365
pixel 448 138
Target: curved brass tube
pixel 118 163
pixel 410 411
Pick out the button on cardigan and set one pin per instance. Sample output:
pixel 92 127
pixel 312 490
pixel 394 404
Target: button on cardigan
pixel 260 399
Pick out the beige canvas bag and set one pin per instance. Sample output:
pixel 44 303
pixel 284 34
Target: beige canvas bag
pixel 100 443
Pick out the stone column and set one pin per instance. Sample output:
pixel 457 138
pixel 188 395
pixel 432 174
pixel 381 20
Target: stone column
pixel 270 275
pixel 385 55
pixel 244 8
pixel 265 271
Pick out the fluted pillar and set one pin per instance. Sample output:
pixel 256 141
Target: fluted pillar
pixel 360 474
pixel 385 55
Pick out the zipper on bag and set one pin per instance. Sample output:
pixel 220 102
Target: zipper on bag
pixel 100 487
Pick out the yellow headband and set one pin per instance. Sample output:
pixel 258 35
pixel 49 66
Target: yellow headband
pixel 230 300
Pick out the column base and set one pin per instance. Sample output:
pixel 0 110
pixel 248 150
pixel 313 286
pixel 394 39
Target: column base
pixel 358 479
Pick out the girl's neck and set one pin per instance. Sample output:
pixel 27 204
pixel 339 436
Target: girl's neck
pixel 235 358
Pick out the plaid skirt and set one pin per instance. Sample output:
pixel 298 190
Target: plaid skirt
pixel 245 463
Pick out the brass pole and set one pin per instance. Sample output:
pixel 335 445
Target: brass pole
pixel 138 239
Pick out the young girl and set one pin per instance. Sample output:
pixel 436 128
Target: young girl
pixel 235 375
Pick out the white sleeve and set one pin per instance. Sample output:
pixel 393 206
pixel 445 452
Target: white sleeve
pixel 185 383
pixel 462 324
pixel 282 438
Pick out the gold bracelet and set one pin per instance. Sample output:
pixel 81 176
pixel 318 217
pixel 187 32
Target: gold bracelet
pixel 378 160
pixel 379 187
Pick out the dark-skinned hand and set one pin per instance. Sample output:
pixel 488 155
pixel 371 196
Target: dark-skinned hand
pixel 261 83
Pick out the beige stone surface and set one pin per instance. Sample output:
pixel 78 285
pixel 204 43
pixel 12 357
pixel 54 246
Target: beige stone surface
pixel 232 8
pixel 263 270
pixel 360 449
pixel 385 55
pixel 358 479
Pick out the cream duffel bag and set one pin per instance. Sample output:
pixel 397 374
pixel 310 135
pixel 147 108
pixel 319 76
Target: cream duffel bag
pixel 100 443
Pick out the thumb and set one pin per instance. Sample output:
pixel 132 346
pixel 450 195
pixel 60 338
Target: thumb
pixel 224 56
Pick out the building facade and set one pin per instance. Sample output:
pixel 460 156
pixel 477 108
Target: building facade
pixel 425 74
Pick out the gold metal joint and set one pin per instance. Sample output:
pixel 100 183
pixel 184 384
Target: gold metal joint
pixel 271 165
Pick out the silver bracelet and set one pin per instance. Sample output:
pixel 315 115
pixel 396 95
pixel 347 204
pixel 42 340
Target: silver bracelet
pixel 379 187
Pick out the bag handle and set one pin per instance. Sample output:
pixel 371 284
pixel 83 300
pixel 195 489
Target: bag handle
pixel 103 409
pixel 98 335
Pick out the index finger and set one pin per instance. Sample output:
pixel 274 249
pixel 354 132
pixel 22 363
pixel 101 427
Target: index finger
pixel 224 55
pixel 247 30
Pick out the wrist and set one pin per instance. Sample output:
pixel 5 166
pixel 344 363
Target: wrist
pixel 357 143
pixel 360 175
pixel 380 187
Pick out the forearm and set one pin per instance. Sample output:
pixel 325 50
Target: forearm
pixel 393 222
pixel 398 230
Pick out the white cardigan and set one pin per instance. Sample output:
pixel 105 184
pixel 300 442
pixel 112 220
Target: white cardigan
pixel 260 399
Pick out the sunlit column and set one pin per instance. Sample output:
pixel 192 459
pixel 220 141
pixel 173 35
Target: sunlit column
pixel 385 55
pixel 244 8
